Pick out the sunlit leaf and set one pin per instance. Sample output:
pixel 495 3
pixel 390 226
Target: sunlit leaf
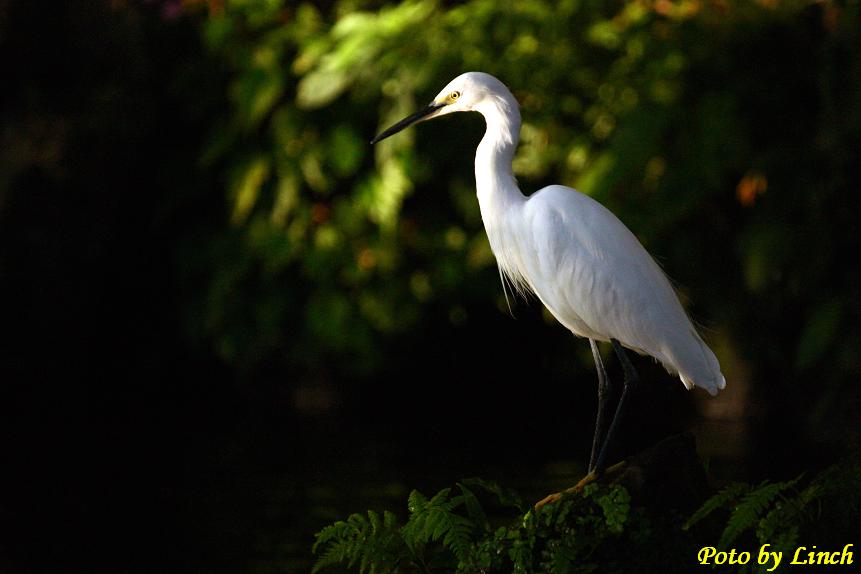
pixel 246 188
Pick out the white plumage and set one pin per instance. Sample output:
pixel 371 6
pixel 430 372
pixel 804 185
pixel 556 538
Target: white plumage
pixel 575 255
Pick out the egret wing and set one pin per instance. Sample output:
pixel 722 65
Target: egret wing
pixel 599 281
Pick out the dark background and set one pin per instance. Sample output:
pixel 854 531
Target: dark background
pixel 154 420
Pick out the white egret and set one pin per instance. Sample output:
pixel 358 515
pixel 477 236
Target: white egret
pixel 576 256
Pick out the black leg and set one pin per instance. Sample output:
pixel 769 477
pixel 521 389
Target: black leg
pixel 631 380
pixel 604 391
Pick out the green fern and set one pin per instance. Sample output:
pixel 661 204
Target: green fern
pixel 373 544
pixel 474 510
pixel 782 514
pixel 435 520
pixel 764 509
pixel 752 509
pixel 786 512
pixel 380 546
pixel 729 494
pixel 453 532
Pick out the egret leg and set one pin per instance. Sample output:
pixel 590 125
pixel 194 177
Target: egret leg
pixel 598 467
pixel 631 380
pixel 604 391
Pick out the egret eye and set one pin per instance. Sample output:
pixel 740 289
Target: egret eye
pixel 453 96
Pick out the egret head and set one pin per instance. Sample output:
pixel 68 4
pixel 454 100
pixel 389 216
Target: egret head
pixel 468 92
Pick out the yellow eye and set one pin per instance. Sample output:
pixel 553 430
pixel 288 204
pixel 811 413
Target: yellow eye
pixel 453 96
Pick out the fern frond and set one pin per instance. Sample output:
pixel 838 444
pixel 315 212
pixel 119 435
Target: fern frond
pixel 440 497
pixel 372 543
pixel 728 494
pixel 752 508
pixel 416 501
pixel 473 509
pixel 438 516
pixel 458 538
pixel 390 521
pixel 341 538
pixel 790 511
pixel 435 520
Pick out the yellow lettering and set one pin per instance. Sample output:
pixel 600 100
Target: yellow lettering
pixel 706 553
pixel 846 554
pixel 795 556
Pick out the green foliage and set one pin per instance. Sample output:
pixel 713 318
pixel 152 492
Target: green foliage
pixel 310 87
pixel 453 533
pixel 749 506
pixel 371 544
pixel 435 520
pixel 480 527
pixel 726 496
pixel 786 514
pixel 752 508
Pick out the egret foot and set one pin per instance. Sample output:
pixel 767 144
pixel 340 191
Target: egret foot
pixel 586 480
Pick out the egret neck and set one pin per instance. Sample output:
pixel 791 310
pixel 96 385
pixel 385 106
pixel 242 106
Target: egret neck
pixel 499 198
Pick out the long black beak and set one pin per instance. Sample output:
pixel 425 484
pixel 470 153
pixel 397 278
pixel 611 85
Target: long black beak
pixel 407 122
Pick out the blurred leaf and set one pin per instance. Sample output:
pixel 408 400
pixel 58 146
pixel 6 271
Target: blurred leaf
pixel 256 93
pixel 246 187
pixel 346 150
